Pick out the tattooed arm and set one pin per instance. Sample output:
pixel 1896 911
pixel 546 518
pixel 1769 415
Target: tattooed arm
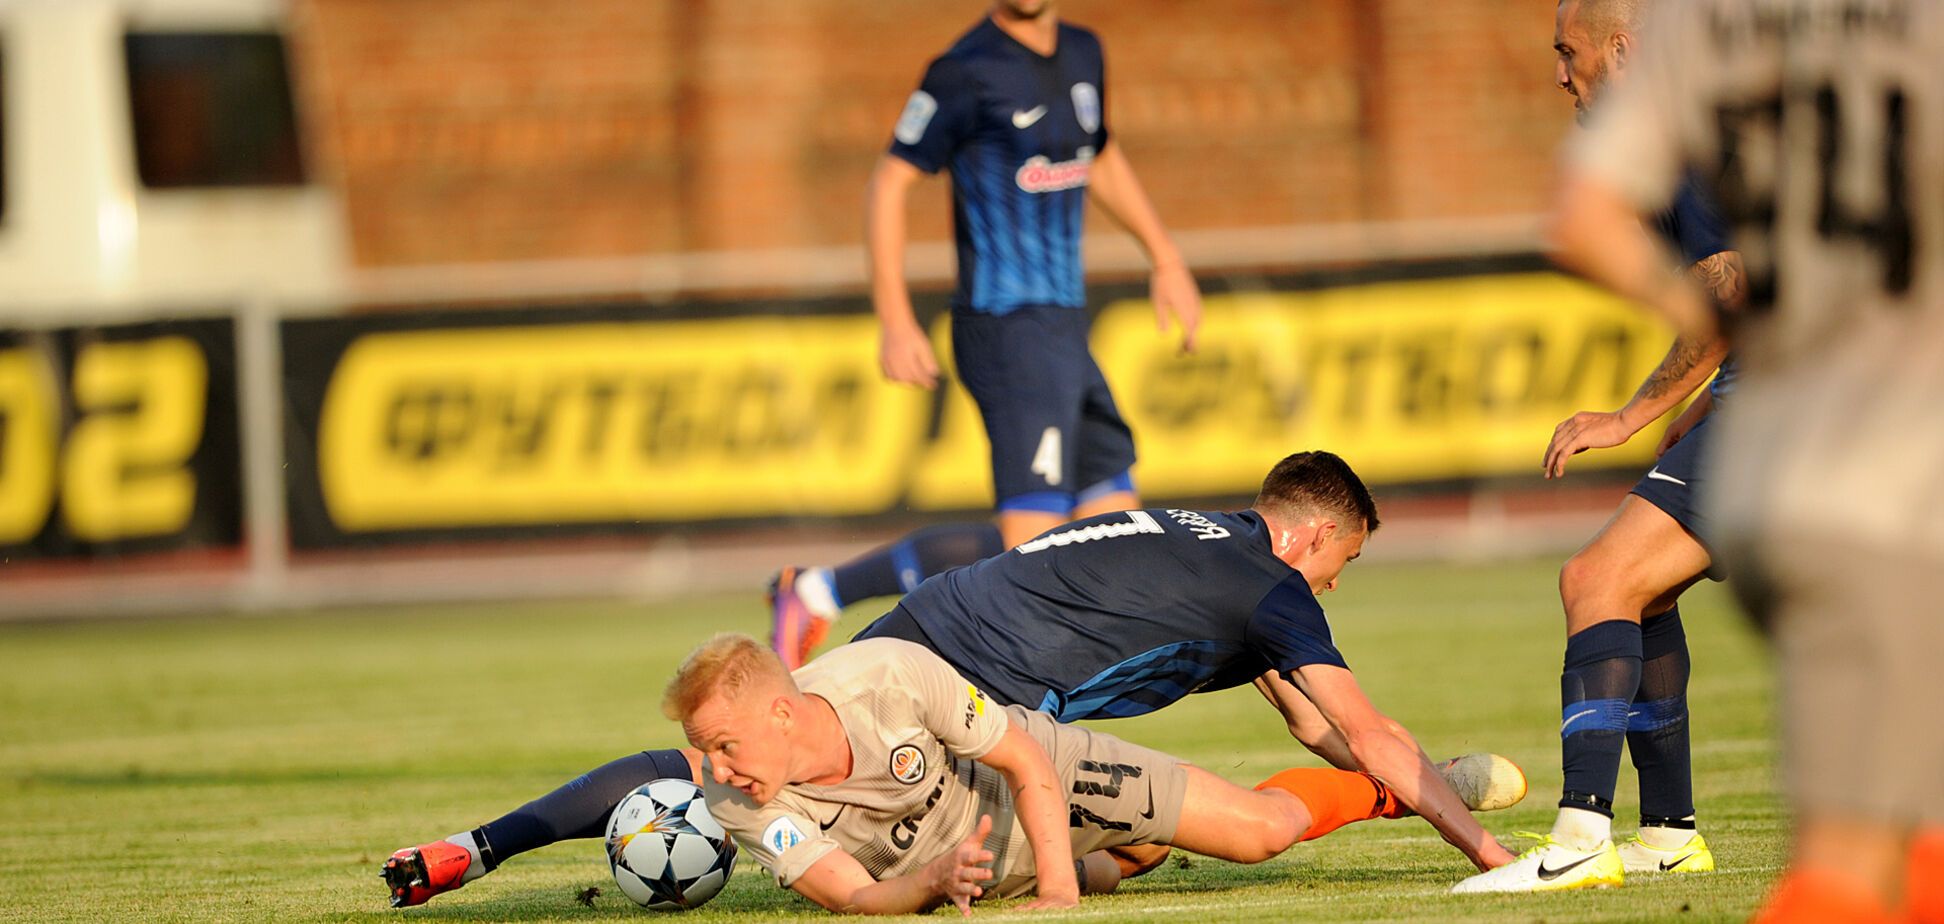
pixel 1688 363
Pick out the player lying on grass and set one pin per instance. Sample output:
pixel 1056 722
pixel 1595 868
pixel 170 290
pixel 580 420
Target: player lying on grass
pixel 876 780
pixel 1113 616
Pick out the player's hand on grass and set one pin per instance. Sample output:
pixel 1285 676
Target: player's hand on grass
pixel 1580 432
pixel 905 354
pixel 1175 295
pixel 957 875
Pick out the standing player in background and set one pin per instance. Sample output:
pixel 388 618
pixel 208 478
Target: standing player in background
pixel 1016 111
pixel 1821 125
pixel 1626 666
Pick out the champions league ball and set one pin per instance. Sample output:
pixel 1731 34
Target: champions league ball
pixel 666 851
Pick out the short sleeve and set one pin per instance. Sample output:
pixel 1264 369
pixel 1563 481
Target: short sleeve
pixel 937 118
pixel 785 841
pixel 1289 630
pixel 1641 138
pixel 965 720
pixel 1703 230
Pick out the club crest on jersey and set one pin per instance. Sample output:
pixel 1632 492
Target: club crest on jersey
pixel 1041 175
pixel 781 835
pixel 1086 107
pixel 907 764
pixel 918 112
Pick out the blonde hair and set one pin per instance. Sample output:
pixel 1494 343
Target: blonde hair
pixel 730 664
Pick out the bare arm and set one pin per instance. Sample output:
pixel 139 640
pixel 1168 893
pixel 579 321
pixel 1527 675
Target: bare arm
pixel 839 883
pixel 1384 750
pixel 1305 723
pixel 1040 803
pixel 904 350
pixel 1688 363
pixel 1112 184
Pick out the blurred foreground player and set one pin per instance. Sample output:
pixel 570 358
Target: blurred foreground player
pixel 1820 123
pixel 1016 111
pixel 1626 666
pixel 879 781
pixel 1118 616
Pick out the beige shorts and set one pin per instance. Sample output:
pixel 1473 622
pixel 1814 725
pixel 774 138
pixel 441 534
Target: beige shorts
pixel 1859 637
pixel 1117 793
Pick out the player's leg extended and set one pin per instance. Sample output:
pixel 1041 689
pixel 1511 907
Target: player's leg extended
pixel 1221 819
pixel 806 602
pixel 578 809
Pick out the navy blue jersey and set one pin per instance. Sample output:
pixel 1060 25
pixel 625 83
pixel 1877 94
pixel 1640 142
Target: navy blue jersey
pixel 1121 614
pixel 1019 132
pixel 1698 230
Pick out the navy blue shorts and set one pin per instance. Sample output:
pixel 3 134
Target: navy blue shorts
pixel 1674 485
pixel 1057 438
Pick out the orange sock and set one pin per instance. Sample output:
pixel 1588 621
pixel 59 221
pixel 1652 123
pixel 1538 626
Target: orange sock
pixel 1924 885
pixel 1815 896
pixel 1334 797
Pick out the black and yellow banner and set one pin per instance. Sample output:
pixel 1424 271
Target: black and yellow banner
pixel 116 440
pixel 549 419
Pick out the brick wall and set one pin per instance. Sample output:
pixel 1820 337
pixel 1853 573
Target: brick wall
pixel 487 130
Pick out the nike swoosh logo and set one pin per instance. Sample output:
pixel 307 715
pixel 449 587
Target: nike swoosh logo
pixel 1550 874
pixel 1149 814
pixel 1666 866
pixel 1574 718
pixel 825 825
pixel 1027 118
pixel 1654 473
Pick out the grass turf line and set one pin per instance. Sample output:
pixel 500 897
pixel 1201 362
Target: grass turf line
pixel 260 769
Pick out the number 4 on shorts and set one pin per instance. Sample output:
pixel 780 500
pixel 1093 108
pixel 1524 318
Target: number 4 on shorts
pixel 1046 459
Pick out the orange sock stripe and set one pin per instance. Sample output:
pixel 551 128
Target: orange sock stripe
pixel 1334 797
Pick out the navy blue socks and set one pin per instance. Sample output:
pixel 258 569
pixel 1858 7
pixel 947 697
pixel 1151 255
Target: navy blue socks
pixel 1596 692
pixel 1657 730
pixel 578 809
pixel 897 569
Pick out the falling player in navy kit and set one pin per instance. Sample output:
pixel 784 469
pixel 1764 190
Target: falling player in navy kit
pixel 1122 614
pixel 1016 111
pixel 1626 666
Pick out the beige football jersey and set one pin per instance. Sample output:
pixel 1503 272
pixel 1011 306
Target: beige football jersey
pixel 915 790
pixel 1820 125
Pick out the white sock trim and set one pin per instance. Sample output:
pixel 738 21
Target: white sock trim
pixel 813 588
pixel 477 867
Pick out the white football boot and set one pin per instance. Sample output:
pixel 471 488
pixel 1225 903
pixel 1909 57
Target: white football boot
pixel 1549 867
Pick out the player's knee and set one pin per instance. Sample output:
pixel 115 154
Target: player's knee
pixel 1270 833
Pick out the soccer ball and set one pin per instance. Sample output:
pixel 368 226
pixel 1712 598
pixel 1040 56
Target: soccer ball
pixel 666 851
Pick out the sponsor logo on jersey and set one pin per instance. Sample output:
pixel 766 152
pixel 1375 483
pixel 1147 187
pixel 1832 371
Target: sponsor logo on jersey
pixel 781 835
pixel 904 832
pixel 1086 107
pixel 917 115
pixel 907 764
pixel 1024 118
pixel 1042 175
pixel 975 700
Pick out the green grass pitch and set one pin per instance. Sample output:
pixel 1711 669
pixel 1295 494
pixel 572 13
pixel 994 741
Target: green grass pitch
pixel 255 769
